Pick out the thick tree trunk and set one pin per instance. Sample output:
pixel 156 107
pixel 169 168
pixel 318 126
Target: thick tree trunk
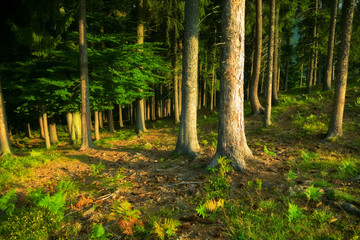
pixel 231 136
pixel 254 85
pixel 331 44
pixel 28 131
pixel 46 130
pixel 111 121
pixel 41 124
pixel 275 97
pixel 86 141
pixel 121 122
pixel 52 131
pixel 140 121
pixel 187 141
pixel 76 127
pixel 4 132
pixel 335 127
pixel 268 88
pixel 69 119
pixel 96 127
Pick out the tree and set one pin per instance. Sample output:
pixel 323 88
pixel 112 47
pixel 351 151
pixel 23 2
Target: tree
pixel 86 141
pixel 335 126
pixel 187 141
pixel 268 89
pixel 331 43
pixel 231 134
pixel 274 95
pixel 254 85
pixel 4 133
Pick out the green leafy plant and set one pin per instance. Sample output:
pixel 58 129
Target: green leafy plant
pixel 313 193
pixel 258 184
pixel 97 168
pixel 7 202
pixel 201 211
pixel 209 206
pixel 98 232
pixel 292 176
pixel 166 228
pixel 54 203
pixel 348 167
pixel 294 213
pixel 270 153
pixel 219 182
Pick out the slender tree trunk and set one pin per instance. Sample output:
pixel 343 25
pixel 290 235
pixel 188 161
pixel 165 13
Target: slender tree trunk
pixel 96 127
pixel 335 126
pixel 46 131
pixel 316 64
pixel 28 131
pixel 153 109
pixel 69 119
pixel 287 75
pixel 111 121
pixel 275 97
pixel 101 122
pixel 199 88
pixel 301 75
pixel 187 141
pixel 176 88
pixel 268 89
pixel 4 132
pixel 212 89
pixel 204 102
pixel 52 131
pixel 254 86
pixel 41 123
pixel 180 77
pixel 86 141
pixel 231 136
pixel 278 79
pixel 310 81
pixel 121 122
pixel 331 44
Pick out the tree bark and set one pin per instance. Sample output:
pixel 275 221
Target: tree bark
pixel 331 44
pixel 231 135
pixel 28 131
pixel 310 81
pixel 46 130
pixel 101 122
pixel 86 141
pixel 187 141
pixel 275 97
pixel 121 122
pixel 111 121
pixel 287 75
pixel 52 131
pixel 69 119
pixel 335 126
pixel 96 127
pixel 140 121
pixel 76 127
pixel 301 75
pixel 4 130
pixel 254 86
pixel 41 124
pixel 268 88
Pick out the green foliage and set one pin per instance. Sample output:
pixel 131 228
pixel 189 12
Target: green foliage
pixel 201 211
pixel 166 228
pixel 348 167
pixel 97 168
pixel 54 203
pixel 270 153
pixel 313 193
pixel 311 124
pixel 218 185
pixel 294 213
pixel 124 210
pixel 98 232
pixel 292 176
pixel 7 202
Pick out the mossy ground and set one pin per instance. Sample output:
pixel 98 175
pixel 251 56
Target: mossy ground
pixel 270 201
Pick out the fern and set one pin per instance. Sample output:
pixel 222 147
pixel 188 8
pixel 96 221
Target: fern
pixel 167 228
pixel 201 211
pixel 7 202
pixel 98 232
pixel 55 203
pixel 313 193
pixel 294 212
pixel 268 152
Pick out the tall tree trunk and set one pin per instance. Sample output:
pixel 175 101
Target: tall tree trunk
pixel 275 97
pixel 268 88
pixel 52 131
pixel 316 64
pixel 101 122
pixel 204 102
pixel 41 123
pixel 287 75
pixel 86 141
pixel 121 122
pixel 301 75
pixel 28 131
pixel 180 77
pixel 111 121
pixel 153 109
pixel 76 127
pixel 4 132
pixel 140 115
pixel 310 81
pixel 69 119
pixel 46 130
pixel 231 135
pixel 96 127
pixel 335 127
pixel 212 89
pixel 187 141
pixel 254 85
pixel 331 44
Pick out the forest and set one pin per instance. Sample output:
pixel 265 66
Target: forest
pixel 180 119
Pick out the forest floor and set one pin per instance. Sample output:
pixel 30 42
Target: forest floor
pixel 135 187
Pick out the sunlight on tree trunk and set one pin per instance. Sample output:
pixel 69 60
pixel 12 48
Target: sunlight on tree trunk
pixel 4 132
